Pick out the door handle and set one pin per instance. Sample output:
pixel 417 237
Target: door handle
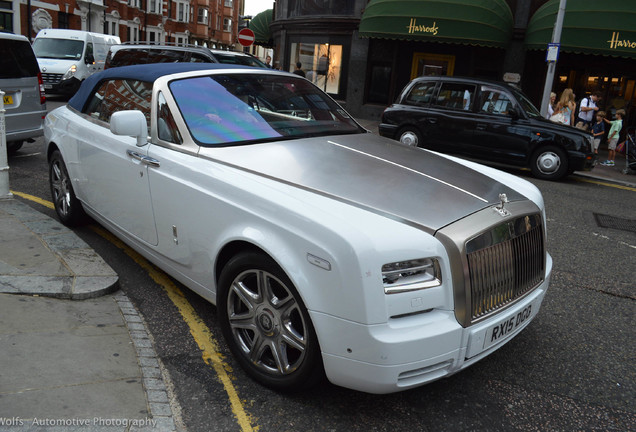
pixel 432 120
pixel 481 126
pixel 146 160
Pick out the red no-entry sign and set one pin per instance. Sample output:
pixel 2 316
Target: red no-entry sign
pixel 246 37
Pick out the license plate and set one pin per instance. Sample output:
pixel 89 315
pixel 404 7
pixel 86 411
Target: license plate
pixel 509 326
pixel 8 100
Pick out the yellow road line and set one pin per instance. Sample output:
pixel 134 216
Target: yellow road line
pixel 199 331
pixel 613 185
pixel 40 201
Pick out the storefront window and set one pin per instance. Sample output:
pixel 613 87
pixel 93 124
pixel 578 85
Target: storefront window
pixel 432 65
pixel 322 64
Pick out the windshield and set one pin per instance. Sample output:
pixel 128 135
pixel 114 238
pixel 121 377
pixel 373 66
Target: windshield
pixel 244 108
pixel 525 103
pixel 63 49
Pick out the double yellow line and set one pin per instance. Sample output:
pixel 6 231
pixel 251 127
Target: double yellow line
pixel 199 331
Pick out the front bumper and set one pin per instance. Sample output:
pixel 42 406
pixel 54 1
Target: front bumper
pixel 415 350
pixel 579 161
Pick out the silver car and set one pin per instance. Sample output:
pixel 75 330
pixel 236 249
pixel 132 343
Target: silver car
pixel 24 98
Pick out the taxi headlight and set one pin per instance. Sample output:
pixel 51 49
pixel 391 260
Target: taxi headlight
pixel 411 275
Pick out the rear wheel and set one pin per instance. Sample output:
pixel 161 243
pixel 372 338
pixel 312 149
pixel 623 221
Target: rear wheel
pixel 409 135
pixel 266 325
pixel 549 163
pixel 14 146
pixel 67 206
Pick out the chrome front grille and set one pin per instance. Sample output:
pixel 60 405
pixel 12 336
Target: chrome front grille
pixel 504 264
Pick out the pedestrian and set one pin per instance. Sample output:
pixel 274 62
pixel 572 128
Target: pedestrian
pixel 551 105
pixel 299 69
pixel 612 137
pixel 564 112
pixel 268 61
pixel 598 130
pixel 586 111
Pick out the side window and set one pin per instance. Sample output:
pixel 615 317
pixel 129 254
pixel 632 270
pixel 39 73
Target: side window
pixel 89 57
pixel 494 102
pixel 120 95
pixel 166 126
pixel 456 96
pixel 420 94
pixel 198 58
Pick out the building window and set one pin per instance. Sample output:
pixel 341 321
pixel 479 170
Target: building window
pixel 132 33
pixel 322 64
pixel 183 11
pixel 153 35
pixel 62 20
pixel 6 16
pixel 227 24
pixel 228 3
pixel 154 6
pixel 134 3
pixel 111 27
pixel 203 16
pixel 181 39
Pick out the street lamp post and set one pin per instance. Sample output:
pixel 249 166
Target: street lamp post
pixel 556 39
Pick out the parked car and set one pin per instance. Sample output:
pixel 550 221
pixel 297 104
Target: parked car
pixel 488 121
pixel 129 54
pixel 24 97
pixel 68 57
pixel 324 247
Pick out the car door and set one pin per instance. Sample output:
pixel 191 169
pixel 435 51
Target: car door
pixel 113 180
pixel 452 118
pixel 499 134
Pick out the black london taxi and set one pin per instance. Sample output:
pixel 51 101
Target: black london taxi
pixel 485 120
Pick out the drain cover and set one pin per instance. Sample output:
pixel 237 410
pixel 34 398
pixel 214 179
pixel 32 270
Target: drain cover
pixel 607 221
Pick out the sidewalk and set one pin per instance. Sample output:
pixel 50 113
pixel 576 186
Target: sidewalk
pixel 85 365
pixel 600 173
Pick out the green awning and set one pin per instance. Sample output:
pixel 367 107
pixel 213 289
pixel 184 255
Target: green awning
pixel 470 22
pixel 589 27
pixel 260 26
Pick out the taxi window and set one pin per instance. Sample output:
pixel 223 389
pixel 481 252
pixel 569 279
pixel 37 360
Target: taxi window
pixel 457 96
pixel 420 94
pixel 494 102
pixel 120 95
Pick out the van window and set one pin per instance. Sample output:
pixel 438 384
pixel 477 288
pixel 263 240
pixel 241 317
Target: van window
pixel 63 49
pixel 17 59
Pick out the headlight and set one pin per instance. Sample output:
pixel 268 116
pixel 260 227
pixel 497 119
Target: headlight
pixel 70 73
pixel 411 275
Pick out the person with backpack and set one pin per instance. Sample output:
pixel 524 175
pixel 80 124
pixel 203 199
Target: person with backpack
pixel 587 109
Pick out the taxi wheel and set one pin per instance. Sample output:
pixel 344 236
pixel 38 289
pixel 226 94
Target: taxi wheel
pixel 409 135
pixel 67 206
pixel 266 325
pixel 549 163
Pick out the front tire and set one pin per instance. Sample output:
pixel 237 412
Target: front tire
pixel 549 163
pixel 67 206
pixel 266 325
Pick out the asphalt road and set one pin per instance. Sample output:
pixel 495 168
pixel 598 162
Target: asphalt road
pixel 572 369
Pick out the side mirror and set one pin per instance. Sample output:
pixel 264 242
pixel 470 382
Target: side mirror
pixel 514 113
pixel 130 123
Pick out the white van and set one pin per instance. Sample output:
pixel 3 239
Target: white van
pixel 68 57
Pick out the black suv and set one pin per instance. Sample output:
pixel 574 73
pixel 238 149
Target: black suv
pixel 485 120
pixel 140 53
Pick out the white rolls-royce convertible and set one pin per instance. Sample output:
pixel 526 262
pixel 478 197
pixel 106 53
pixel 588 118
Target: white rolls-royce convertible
pixel 327 250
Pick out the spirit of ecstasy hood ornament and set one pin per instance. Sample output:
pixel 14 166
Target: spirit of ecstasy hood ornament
pixel 503 199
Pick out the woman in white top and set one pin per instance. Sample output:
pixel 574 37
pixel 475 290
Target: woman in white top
pixel 551 105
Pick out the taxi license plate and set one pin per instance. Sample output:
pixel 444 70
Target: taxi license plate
pixel 8 100
pixel 508 327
